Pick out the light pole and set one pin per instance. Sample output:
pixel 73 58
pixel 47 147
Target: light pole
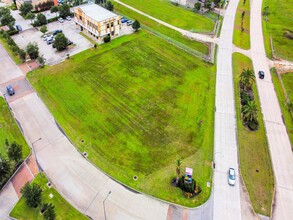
pixel 104 204
pixel 39 168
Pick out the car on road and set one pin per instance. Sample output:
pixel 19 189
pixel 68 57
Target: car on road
pixel 68 18
pixel 56 32
pixel 10 90
pixel 261 74
pixel 129 22
pixel 60 20
pixel 124 20
pixel 18 27
pixel 231 177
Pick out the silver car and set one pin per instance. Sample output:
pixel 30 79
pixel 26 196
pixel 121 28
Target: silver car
pixel 231 177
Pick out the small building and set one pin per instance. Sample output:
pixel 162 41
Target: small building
pixel 97 21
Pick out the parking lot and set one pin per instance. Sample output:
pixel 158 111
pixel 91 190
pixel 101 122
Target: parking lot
pixel 52 56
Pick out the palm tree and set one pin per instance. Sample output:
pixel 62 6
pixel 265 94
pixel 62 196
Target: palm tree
pixel 247 78
pixel 249 111
pixel 179 162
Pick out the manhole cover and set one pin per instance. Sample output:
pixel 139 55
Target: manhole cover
pixel 85 154
pixel 135 178
pixel 49 184
pixel 82 141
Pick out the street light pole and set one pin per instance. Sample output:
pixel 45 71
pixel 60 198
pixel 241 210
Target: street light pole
pixel 39 168
pixel 104 204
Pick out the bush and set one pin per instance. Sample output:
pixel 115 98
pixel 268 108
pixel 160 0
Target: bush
pixel 107 39
pixel 245 97
pixel 22 54
pixel 44 29
pixel 12 32
pixel 10 41
pixel 32 50
pixel 15 49
pixel 52 19
pixel 186 187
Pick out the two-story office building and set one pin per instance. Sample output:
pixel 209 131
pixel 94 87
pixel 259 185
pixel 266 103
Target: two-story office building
pixel 97 20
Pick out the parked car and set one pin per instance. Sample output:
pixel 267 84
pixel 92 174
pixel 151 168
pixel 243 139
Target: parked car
pixel 60 20
pixel 10 90
pixel 261 74
pixel 129 22
pixel 18 27
pixel 56 32
pixel 50 41
pixel 123 20
pixel 68 18
pixel 231 177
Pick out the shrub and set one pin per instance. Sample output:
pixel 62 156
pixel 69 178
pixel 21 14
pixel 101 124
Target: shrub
pixel 12 32
pixel 107 39
pixel 52 19
pixel 245 97
pixel 186 187
pixel 32 50
pixel 10 41
pixel 14 49
pixel 22 54
pixel 252 125
pixel 44 29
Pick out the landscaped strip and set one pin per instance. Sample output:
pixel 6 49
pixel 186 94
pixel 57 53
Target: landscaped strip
pixel 165 32
pixel 62 208
pixel 10 131
pixel 278 23
pixel 241 37
pixel 14 56
pixel 174 15
pixel 136 105
pixel 255 161
pixel 283 100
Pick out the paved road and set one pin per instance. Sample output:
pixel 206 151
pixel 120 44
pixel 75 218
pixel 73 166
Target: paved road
pixel 196 36
pixel 279 144
pixel 226 198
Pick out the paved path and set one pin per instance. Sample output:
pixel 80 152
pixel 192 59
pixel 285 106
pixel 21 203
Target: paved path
pixel 279 144
pixel 196 36
pixel 226 198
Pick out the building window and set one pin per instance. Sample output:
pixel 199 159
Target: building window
pixel 112 24
pixel 108 25
pixel 80 17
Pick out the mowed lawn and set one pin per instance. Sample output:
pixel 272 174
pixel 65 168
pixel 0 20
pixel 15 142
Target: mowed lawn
pixel 10 131
pixel 280 21
pixel 136 105
pixel 255 161
pixel 242 39
pixel 63 210
pixel 174 15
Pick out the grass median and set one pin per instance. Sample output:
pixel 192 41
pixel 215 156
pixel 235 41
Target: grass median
pixel 136 105
pixel 241 37
pixel 255 161
pixel 165 31
pixel 288 86
pixel 14 56
pixel 174 15
pixel 62 208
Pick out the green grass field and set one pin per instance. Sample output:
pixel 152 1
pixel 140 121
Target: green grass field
pixel 10 131
pixel 253 149
pixel 159 28
pixel 63 210
pixel 138 109
pixel 288 83
pixel 176 16
pixel 280 20
pixel 242 39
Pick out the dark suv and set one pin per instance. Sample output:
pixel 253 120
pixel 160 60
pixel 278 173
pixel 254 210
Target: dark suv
pixel 10 90
pixel 56 32
pixel 261 74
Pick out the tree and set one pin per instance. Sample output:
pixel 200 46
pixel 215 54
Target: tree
pixel 44 29
pixel 107 39
pixel 109 6
pixel 208 4
pixel 32 50
pixel 100 1
pixel 5 17
pixel 249 111
pixel 179 162
pixel 40 20
pixel 60 42
pixel 64 10
pixel 5 170
pixel 247 78
pixel 136 25
pixel 49 213
pixel 30 16
pixel 197 6
pixel 54 9
pixel 25 8
pixel 41 61
pixel 14 152
pixel 32 194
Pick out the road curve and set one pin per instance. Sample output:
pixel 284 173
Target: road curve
pixel 278 139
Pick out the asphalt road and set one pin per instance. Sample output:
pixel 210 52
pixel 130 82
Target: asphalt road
pixel 279 144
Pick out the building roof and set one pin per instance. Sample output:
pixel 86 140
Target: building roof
pixel 96 12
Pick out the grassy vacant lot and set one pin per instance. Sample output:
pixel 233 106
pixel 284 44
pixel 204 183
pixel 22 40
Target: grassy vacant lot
pixel 288 83
pixel 139 104
pixel 9 51
pixel 253 149
pixel 10 130
pixel 63 209
pixel 280 21
pixel 165 31
pixel 242 39
pixel 176 16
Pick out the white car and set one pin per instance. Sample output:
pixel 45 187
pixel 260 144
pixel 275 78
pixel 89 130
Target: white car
pixel 60 20
pixel 68 18
pixel 231 177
